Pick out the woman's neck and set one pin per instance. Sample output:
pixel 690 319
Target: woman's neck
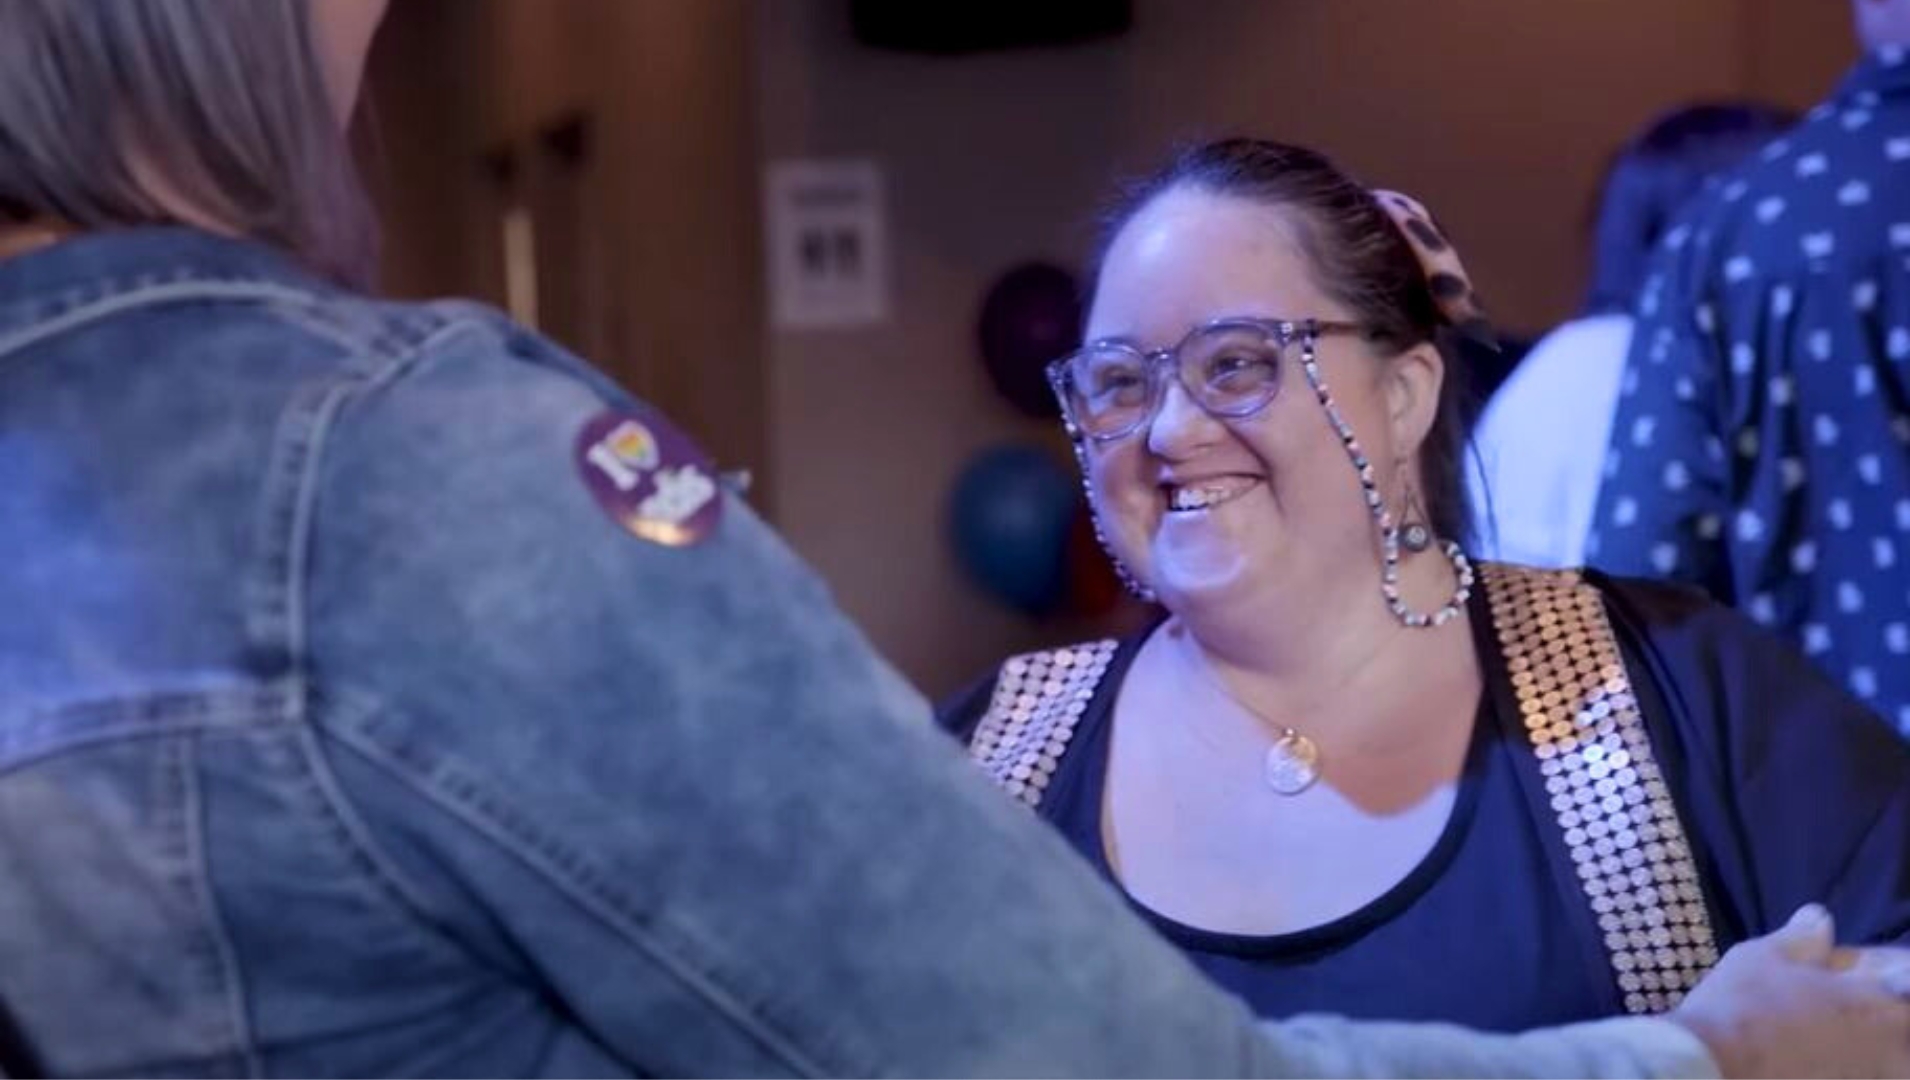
pixel 1287 654
pixel 23 237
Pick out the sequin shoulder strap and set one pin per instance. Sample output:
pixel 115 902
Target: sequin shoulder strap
pixel 1608 797
pixel 1039 698
pixel 1614 812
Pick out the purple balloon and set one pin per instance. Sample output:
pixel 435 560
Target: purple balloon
pixel 1031 315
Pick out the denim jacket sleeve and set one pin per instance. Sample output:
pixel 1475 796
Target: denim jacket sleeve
pixel 672 790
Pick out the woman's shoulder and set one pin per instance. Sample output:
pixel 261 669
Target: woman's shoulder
pixel 1736 687
pixel 1794 790
pixel 1679 624
pixel 1035 682
pixel 1683 623
pixel 1665 602
pixel 1695 649
pixel 1651 604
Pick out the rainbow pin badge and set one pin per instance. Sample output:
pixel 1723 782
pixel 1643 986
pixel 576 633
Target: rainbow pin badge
pixel 649 477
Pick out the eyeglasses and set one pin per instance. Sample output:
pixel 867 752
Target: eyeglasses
pixel 1229 367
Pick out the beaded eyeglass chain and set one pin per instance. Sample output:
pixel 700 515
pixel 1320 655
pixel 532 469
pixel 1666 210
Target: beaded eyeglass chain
pixel 1389 529
pixel 1128 581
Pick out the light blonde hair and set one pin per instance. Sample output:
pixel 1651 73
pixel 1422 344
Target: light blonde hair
pixel 113 112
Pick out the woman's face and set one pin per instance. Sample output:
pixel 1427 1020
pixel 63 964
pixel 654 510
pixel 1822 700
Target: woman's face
pixel 342 31
pixel 1272 503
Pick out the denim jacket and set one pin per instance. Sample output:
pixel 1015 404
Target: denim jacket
pixel 343 732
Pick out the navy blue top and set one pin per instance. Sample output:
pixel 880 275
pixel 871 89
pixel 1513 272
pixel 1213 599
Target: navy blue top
pixel 1396 957
pixel 1761 445
pixel 1788 789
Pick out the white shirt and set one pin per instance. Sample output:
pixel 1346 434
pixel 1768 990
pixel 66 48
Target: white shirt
pixel 1540 445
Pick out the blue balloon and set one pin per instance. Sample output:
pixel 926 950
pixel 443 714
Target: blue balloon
pixel 1010 515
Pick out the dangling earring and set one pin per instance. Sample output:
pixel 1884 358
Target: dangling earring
pixel 1414 534
pixel 1391 535
pixel 1126 577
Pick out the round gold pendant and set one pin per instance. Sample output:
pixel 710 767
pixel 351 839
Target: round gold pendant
pixel 1293 763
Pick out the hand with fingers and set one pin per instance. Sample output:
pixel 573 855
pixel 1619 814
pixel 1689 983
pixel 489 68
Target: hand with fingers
pixel 1792 1003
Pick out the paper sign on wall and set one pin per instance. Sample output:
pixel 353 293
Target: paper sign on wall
pixel 828 243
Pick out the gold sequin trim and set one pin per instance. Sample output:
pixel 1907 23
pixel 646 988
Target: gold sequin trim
pixel 1039 698
pixel 1619 822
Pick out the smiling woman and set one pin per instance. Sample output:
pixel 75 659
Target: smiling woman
pixel 1345 770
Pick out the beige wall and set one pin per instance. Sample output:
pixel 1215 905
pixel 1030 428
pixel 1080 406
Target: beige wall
pixel 1796 51
pixel 1499 113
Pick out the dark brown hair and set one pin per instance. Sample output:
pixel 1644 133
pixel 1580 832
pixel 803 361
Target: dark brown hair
pixel 1358 257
